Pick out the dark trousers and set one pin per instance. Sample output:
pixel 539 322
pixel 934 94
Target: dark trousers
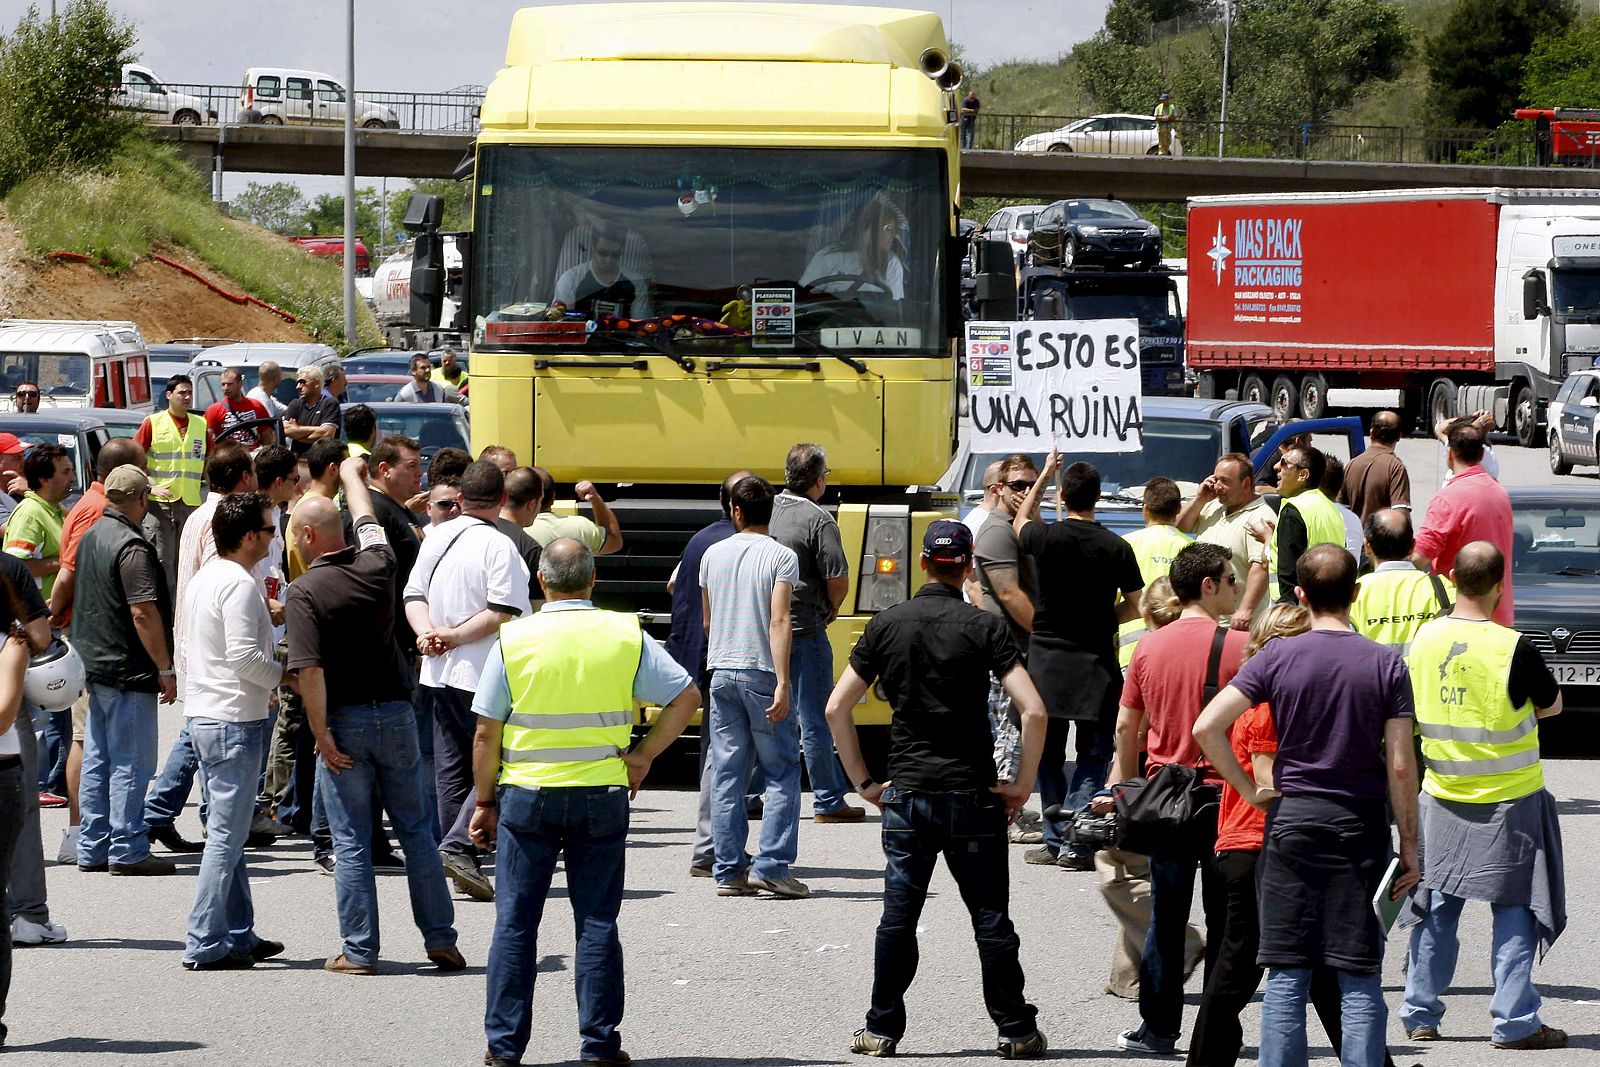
pixel 1171 894
pixel 53 747
pixel 1095 745
pixel 11 789
pixel 1234 978
pixel 453 727
pixel 588 827
pixel 969 830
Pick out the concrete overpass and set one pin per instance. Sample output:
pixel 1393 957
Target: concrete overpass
pixel 1044 176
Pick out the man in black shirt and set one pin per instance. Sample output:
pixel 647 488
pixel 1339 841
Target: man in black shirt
pixel 1089 584
pixel 311 416
pixel 357 693
pixel 934 655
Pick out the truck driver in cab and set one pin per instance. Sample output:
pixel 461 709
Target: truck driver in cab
pixel 601 286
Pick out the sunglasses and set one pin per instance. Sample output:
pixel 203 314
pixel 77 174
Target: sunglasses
pixel 265 529
pixel 302 381
pixel 608 255
pixel 445 505
pixel 1020 486
pixel 27 392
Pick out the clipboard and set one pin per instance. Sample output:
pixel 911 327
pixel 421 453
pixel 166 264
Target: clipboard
pixel 1384 906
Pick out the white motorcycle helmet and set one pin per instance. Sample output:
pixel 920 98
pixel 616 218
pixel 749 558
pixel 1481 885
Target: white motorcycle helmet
pixel 55 677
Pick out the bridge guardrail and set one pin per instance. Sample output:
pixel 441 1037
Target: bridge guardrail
pixel 444 112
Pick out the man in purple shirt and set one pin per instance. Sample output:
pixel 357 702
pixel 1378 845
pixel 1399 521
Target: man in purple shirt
pixel 1341 705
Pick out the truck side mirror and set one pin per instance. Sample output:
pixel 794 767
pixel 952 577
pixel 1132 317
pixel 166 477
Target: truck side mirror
pixel 1533 296
pixel 459 287
pixel 995 281
pixel 423 212
pixel 427 279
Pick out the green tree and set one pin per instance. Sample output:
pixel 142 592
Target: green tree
pixel 57 77
pixel 277 206
pixel 1476 62
pixel 1564 69
pixel 325 216
pixel 1117 75
pixel 457 212
pixel 1309 58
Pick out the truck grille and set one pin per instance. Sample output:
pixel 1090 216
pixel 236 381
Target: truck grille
pixel 654 533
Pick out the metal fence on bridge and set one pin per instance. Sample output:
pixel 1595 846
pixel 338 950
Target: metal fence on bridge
pixel 454 111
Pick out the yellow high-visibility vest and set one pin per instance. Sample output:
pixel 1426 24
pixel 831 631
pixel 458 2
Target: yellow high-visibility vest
pixel 1395 600
pixel 1155 547
pixel 1476 747
pixel 178 460
pixel 1324 526
pixel 571 677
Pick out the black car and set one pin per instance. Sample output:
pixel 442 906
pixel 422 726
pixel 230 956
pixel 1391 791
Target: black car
pixel 1073 233
pixel 1555 568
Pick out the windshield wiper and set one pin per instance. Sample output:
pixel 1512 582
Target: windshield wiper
pixel 659 345
pixel 823 350
pixel 1578 572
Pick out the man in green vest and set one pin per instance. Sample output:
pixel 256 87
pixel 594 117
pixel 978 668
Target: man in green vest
pixel 1155 546
pixel 1306 517
pixel 175 445
pixel 1395 600
pixel 1489 827
pixel 554 775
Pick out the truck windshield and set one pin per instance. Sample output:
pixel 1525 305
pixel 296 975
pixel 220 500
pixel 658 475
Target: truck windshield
pixel 726 250
pixel 1575 292
pixel 56 373
pixel 1146 307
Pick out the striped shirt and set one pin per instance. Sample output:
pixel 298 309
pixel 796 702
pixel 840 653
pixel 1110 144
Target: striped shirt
pixel 738 576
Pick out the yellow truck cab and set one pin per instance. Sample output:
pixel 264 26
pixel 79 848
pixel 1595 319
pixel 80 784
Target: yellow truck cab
pixel 703 233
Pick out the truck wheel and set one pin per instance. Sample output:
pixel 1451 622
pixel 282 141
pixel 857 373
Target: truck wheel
pixel 1253 389
pixel 1441 404
pixel 1313 396
pixel 1558 462
pixel 1285 398
pixel 1525 414
pixel 1205 385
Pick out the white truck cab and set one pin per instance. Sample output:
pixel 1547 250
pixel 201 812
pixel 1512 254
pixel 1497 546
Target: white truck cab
pixel 75 362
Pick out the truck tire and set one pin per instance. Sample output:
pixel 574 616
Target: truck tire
pixel 1558 462
pixel 1285 398
pixel 1441 404
pixel 1313 396
pixel 1525 419
pixel 1253 389
pixel 1205 385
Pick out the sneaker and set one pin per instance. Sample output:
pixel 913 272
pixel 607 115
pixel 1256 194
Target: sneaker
pixel 94 868
pixel 1044 856
pixel 167 837
pixel 867 1043
pixel 1021 835
pixel 739 887
pixel 28 932
pixel 699 870
pixel 68 852
pixel 233 961
pixel 150 865
pixel 1026 1049
pixel 341 965
pixel 1030 819
pixel 265 950
pixel 788 886
pixel 1142 1040
pixel 1074 862
pixel 460 869
pixel 48 799
pixel 1422 1033
pixel 325 862
pixel 266 824
pixel 447 959
pixel 844 813
pixel 1544 1037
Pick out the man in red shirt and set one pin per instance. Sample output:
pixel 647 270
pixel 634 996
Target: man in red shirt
pixel 235 407
pixel 1471 506
pixel 1168 683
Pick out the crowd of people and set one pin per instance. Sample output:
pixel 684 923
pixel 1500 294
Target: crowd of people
pixel 360 660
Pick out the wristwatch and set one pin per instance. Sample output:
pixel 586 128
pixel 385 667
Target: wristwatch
pixel 866 784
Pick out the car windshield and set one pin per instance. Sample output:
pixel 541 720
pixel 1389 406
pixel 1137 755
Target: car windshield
pixel 803 247
pixel 68 441
pixel 357 392
pixel 1100 209
pixel 1182 450
pixel 56 374
pixel 433 429
pixel 1549 538
pixel 1575 292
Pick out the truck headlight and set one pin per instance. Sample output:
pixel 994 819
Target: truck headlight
pixel 885 558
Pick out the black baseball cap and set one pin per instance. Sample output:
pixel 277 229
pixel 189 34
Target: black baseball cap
pixel 947 541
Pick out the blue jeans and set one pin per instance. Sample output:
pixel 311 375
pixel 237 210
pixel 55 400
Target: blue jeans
pixel 223 919
pixel 422 707
pixel 382 740
pixel 588 826
pixel 171 791
pixel 53 746
pixel 1283 1018
pixel 1095 745
pixel 119 758
pixel 740 732
pixel 969 830
pixel 1432 963
pixel 810 685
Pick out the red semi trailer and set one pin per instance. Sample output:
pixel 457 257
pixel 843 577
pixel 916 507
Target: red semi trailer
pixel 1430 301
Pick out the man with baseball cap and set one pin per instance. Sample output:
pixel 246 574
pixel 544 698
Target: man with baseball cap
pixel 933 655
pixel 12 483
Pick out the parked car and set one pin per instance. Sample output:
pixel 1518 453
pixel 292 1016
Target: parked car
pixel 1572 429
pixel 275 96
pixel 378 361
pixel 1183 439
pixel 1075 233
pixel 1555 567
pixel 247 357
pixel 1012 224
pixel 374 388
pixel 434 426
pixel 81 431
pixel 333 248
pixel 120 422
pixel 144 93
pixel 1119 135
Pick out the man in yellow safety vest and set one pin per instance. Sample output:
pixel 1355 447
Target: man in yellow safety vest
pixel 1395 600
pixel 1155 546
pixel 1166 116
pixel 175 445
pixel 1306 517
pixel 554 775
pixel 1489 827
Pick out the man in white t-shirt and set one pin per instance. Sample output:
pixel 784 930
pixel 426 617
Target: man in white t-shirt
pixel 467 581
pixel 232 670
pixel 601 286
pixel 745 584
pixel 270 375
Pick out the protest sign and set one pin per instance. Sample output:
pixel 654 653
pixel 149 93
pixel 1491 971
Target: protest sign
pixel 1074 385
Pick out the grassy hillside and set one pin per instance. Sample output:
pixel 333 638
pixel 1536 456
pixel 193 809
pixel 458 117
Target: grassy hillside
pixel 149 196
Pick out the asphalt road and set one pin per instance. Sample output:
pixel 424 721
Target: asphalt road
pixel 710 980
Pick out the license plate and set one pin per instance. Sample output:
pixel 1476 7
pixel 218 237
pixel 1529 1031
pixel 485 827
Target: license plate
pixel 1577 673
